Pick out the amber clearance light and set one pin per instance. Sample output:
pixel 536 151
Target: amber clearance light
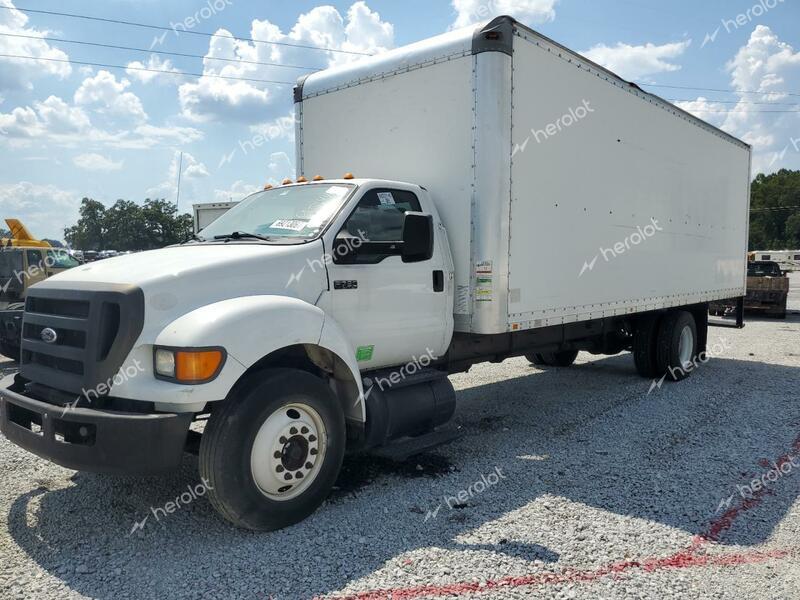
pixel 191 365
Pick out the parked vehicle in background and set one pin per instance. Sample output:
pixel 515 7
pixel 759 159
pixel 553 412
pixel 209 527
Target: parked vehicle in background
pixel 205 214
pixel 788 260
pixel 325 315
pixel 767 288
pixel 24 261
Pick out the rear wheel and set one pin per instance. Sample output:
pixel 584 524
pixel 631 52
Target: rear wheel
pixel 554 359
pixel 644 347
pixel 676 347
pixel 271 453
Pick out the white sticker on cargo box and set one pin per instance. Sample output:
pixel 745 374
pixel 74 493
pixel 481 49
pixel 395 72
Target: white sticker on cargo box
pixel 484 266
pixel 291 224
pixel 386 198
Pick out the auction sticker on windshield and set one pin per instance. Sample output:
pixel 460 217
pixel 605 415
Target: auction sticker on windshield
pixel 291 224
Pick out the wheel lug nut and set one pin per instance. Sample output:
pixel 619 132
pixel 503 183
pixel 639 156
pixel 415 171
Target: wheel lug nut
pixel 309 465
pixel 288 476
pixel 277 454
pixel 279 468
pixel 293 430
pixel 312 438
pixel 313 452
pixel 282 440
pixel 299 475
pixel 304 430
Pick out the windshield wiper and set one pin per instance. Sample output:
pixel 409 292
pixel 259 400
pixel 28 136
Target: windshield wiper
pixel 238 235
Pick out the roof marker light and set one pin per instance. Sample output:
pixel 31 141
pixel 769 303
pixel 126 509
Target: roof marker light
pixel 348 176
pixel 286 181
pixel 319 178
pixel 302 179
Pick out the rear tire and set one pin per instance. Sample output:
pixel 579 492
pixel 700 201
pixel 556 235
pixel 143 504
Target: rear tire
pixel 554 359
pixel 271 452
pixel 536 359
pixel 676 347
pixel 644 347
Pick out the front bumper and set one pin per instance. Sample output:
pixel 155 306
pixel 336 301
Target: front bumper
pixel 88 439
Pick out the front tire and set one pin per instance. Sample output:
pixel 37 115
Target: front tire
pixel 271 452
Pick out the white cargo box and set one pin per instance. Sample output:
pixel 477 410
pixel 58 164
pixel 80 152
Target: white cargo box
pixel 568 194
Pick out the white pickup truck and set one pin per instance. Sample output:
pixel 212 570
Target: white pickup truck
pixel 513 199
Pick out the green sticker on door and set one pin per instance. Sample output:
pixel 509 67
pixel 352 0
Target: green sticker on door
pixel 364 353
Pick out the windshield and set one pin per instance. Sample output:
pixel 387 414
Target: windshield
pixel 61 259
pixel 763 269
pixel 301 211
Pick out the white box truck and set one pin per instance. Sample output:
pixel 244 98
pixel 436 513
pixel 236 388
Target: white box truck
pixel 512 199
pixel 205 214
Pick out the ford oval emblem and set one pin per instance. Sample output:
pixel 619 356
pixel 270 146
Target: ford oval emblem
pixel 49 336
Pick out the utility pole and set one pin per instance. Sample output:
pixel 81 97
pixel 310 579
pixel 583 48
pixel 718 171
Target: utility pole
pixel 178 195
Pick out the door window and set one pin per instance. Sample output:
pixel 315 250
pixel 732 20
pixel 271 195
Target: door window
pixel 378 218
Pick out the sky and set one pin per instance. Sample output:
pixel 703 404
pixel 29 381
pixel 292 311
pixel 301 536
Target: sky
pixel 71 130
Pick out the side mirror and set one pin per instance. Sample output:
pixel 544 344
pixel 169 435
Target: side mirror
pixel 417 237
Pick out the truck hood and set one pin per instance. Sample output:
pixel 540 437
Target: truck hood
pixel 178 279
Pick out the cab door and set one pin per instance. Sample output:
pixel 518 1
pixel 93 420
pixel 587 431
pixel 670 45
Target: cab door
pixel 36 269
pixel 392 311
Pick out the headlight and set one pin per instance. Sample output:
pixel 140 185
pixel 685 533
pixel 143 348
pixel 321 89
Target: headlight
pixel 189 365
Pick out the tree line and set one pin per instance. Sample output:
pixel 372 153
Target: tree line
pixel 128 226
pixel 775 211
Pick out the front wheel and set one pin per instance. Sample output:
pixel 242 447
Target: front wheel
pixel 271 453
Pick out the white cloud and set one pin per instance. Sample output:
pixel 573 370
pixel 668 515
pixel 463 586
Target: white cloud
pixel 35 205
pixel 105 91
pixel 96 162
pixel 768 65
pixel 280 128
pixel 54 122
pixel 236 192
pixel 530 12
pixel 223 99
pixel 17 73
pixel 637 62
pixel 135 71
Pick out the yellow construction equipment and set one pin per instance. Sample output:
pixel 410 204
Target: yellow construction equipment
pixel 20 236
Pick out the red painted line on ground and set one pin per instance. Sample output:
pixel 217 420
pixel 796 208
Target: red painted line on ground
pixel 683 559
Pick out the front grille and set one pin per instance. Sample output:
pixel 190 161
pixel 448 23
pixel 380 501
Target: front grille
pixel 96 326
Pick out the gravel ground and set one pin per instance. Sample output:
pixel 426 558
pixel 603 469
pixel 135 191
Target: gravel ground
pixel 573 483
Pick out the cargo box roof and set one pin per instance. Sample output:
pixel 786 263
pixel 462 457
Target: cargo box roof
pixel 492 36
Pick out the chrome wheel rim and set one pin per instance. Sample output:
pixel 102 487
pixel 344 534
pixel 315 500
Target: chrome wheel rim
pixel 288 451
pixel 686 346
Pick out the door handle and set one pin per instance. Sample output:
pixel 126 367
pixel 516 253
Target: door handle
pixel 438 281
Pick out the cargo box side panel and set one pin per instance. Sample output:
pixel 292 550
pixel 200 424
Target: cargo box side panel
pixel 619 205
pixel 414 126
